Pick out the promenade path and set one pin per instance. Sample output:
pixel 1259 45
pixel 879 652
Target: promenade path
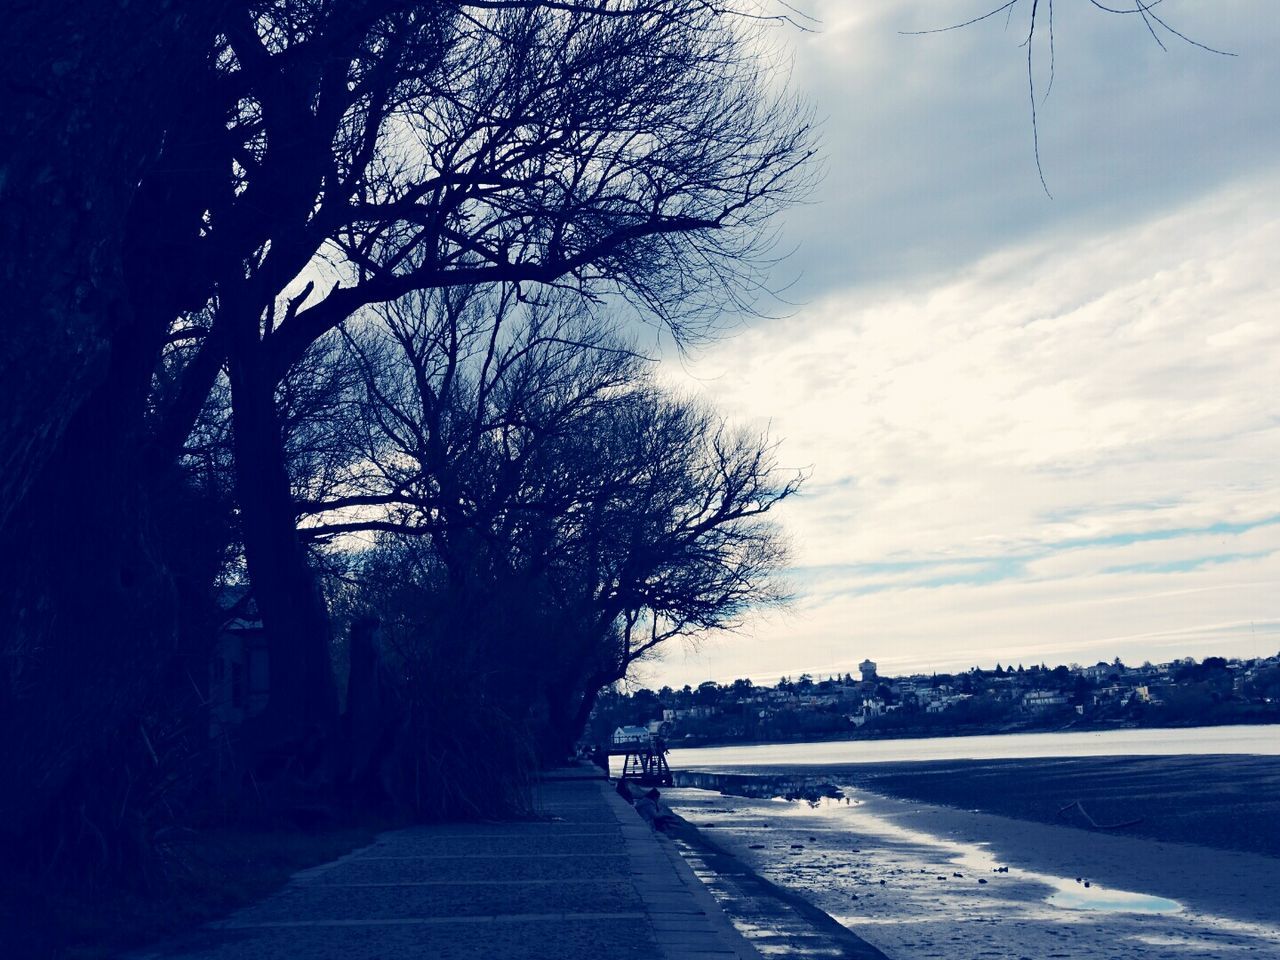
pixel 589 881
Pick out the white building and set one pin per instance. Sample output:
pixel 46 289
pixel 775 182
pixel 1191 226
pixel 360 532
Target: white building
pixel 624 735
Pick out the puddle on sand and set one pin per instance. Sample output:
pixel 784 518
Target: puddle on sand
pixel 1068 894
pixel 1073 895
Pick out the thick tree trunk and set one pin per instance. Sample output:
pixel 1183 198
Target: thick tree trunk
pixel 567 714
pixel 303 698
pixel 373 723
pixel 583 712
pixel 87 612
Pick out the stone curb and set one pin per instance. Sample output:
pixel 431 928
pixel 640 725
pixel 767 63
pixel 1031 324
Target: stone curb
pixel 687 922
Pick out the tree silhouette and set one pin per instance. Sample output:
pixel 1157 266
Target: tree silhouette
pixel 532 452
pixel 226 185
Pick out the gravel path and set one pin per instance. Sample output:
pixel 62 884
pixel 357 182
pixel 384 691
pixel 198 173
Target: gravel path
pixel 591 880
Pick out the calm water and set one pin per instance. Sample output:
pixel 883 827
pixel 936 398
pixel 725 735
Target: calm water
pixel 1263 740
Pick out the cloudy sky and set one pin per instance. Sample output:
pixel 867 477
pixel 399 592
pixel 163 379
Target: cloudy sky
pixel 1038 429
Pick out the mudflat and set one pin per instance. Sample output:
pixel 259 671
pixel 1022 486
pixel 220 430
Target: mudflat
pixel 967 860
pixel 1225 802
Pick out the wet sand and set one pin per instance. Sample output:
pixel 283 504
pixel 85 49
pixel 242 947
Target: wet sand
pixel 1227 802
pixel 905 875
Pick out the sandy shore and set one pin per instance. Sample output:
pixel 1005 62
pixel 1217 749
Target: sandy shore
pixel 906 875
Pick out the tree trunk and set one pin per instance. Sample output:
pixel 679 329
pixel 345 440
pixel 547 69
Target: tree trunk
pixel 583 712
pixel 303 698
pixel 567 716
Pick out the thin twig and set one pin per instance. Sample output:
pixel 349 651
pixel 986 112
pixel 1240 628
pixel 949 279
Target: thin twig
pixel 1144 9
pixel 1093 823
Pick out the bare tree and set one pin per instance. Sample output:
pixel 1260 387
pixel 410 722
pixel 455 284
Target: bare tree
pixel 617 147
pixel 676 542
pixel 560 490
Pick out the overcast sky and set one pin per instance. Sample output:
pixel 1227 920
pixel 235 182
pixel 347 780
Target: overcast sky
pixel 1039 429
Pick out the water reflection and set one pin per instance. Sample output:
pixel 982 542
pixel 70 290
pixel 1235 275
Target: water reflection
pixel 1068 893
pixel 917 882
pixel 1076 896
pixel 1079 893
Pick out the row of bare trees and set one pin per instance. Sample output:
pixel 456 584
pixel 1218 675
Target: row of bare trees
pixel 534 451
pixel 544 514
pixel 505 485
pixel 348 330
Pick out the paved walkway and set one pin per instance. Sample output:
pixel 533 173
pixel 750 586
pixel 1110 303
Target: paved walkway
pixel 592 881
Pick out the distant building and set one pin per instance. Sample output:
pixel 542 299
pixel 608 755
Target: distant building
pixel 1112 694
pixel 1044 699
pixel 624 735
pixel 1100 671
pixel 868 670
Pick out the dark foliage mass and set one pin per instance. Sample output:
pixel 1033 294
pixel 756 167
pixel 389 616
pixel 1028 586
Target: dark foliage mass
pixel 314 317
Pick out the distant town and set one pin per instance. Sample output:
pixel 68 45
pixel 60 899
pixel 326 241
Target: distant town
pixel 1186 692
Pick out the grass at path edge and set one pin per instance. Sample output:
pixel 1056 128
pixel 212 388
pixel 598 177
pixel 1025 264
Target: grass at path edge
pixel 207 875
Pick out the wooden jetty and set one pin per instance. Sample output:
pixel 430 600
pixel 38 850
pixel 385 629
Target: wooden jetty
pixel 644 756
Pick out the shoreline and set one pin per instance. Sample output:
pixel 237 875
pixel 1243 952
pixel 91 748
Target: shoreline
pixel 917 879
pixel 775 919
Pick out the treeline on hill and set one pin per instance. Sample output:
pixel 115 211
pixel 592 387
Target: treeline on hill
pixel 326 300
pixel 1208 692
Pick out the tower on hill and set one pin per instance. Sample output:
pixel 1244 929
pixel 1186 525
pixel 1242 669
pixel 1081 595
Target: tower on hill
pixel 868 668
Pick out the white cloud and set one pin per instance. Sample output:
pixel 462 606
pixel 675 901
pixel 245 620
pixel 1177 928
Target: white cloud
pixel 1069 451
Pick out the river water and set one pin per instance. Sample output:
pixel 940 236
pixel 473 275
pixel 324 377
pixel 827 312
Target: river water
pixel 1195 741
